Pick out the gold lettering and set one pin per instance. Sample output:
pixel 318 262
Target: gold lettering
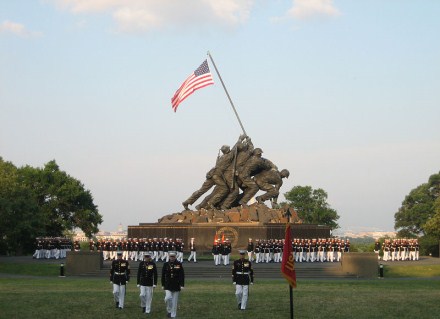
pixel 290 263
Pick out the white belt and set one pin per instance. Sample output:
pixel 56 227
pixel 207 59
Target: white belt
pixel 242 273
pixel 120 273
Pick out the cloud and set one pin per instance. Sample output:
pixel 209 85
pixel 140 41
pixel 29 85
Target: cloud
pixel 145 15
pixel 17 29
pixel 304 9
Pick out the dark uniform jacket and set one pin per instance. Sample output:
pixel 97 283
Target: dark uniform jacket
pixel 147 273
pixel 242 272
pixel 173 276
pixel 120 272
pixel 215 249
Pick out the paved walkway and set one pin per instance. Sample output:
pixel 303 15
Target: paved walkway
pixel 206 269
pixel 424 260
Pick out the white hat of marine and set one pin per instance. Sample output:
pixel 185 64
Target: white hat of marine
pixel 171 253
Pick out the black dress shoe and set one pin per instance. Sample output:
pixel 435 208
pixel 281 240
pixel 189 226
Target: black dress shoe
pixel 143 309
pixel 169 315
pixel 117 305
pixel 239 306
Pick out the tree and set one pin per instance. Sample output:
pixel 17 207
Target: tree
pixel 311 206
pixel 418 210
pixel 19 222
pixel 432 226
pixel 42 202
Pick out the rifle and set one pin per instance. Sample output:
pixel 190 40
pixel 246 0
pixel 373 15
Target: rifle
pixel 234 167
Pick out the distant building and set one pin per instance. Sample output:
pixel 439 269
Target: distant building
pixel 119 234
pixel 360 234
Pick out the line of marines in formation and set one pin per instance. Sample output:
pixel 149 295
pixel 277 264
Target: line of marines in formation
pixel 241 168
pixel 304 250
pixel 397 249
pixel 54 247
pixel 172 281
pixel 135 248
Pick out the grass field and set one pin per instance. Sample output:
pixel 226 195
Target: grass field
pixel 36 291
pixel 53 297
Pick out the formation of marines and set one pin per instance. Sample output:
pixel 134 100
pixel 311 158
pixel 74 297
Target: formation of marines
pixel 271 250
pixel 304 250
pixel 54 247
pixel 221 251
pixel 135 248
pixel 398 249
pixel 241 168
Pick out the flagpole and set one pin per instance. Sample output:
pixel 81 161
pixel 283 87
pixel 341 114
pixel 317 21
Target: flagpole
pixel 290 287
pixel 224 87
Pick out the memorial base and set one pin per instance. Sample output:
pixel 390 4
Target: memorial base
pixel 237 233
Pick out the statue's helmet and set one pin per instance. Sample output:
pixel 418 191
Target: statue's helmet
pixel 285 173
pixel 225 149
pixel 257 151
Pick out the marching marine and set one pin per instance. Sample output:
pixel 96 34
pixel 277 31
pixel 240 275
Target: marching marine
pixel 119 277
pixel 242 276
pixel 146 281
pixel 173 281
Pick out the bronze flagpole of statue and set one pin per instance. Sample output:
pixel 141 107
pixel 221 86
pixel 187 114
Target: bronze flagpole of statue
pixel 227 94
pixel 236 114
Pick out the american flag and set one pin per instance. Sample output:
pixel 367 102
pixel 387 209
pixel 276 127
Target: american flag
pixel 200 78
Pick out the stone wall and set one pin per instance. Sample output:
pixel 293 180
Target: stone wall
pixel 237 233
pixel 83 262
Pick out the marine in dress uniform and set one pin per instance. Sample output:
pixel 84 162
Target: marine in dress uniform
pixel 377 248
pixel 242 276
pixel 119 276
pixel 216 253
pixel 192 247
pixel 146 281
pixel 173 281
pixel 250 249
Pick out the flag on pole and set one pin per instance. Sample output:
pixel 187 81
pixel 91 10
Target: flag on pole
pixel 288 264
pixel 200 78
pixel 215 238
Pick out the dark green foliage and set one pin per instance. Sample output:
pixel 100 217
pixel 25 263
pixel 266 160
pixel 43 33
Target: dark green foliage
pixel 311 206
pixel 41 202
pixel 417 209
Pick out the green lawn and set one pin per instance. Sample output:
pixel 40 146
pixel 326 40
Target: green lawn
pixel 397 271
pixel 53 297
pixel 403 293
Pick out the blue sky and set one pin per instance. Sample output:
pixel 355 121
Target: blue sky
pixel 344 94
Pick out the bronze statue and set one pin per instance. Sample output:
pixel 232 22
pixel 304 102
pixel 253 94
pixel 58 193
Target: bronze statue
pixel 241 167
pixel 255 164
pixel 270 181
pixel 209 182
pixel 244 152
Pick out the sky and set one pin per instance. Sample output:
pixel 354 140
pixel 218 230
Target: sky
pixel 344 94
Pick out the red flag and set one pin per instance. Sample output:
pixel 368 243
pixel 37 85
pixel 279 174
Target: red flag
pixel 223 237
pixel 200 78
pixel 288 264
pixel 215 238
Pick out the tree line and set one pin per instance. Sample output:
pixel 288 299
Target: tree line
pixel 47 202
pixel 39 202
